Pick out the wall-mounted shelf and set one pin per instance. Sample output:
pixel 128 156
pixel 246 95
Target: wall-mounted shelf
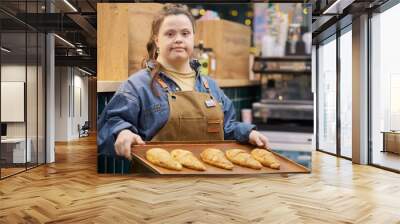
pixel 262 66
pixel 305 58
pixel 112 86
pixel 226 83
pixel 283 71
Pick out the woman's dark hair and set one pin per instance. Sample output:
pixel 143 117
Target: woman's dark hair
pixel 167 10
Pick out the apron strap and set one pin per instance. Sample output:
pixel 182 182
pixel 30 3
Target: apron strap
pixel 163 84
pixel 205 84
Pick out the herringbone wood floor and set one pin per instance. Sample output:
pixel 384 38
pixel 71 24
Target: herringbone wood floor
pixel 70 191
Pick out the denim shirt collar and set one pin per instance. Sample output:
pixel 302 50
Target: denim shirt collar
pixel 194 63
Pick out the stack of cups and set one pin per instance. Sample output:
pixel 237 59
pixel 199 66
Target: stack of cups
pixel 246 116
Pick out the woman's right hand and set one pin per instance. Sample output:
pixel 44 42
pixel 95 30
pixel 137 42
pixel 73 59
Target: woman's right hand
pixel 124 142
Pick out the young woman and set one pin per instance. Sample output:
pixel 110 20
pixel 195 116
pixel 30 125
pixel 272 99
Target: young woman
pixel 170 100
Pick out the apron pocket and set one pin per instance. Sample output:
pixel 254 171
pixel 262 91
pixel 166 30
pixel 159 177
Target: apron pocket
pixel 192 128
pixel 214 126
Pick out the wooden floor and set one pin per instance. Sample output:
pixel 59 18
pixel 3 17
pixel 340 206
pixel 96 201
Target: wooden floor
pixel 386 159
pixel 70 191
pixel 5 172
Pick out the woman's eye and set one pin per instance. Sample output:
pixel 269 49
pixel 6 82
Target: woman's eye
pixel 170 34
pixel 185 33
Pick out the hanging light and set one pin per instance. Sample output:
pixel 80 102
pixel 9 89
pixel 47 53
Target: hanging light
pixel 195 12
pixel 249 14
pixel 234 12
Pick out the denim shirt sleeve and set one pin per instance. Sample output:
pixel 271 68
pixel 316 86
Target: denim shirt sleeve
pixel 119 114
pixel 233 130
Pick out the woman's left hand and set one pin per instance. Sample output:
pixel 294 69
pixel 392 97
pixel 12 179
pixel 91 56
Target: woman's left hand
pixel 258 139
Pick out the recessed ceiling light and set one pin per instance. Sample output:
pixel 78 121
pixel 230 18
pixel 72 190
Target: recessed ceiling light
pixel 70 5
pixel 64 40
pixel 5 50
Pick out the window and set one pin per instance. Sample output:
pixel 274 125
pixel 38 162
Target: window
pixel 385 87
pixel 327 96
pixel 346 93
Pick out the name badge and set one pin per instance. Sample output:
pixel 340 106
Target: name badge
pixel 210 103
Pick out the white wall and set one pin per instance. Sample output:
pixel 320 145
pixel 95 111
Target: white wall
pixel 71 92
pixel 61 103
pixel 12 73
pixel 33 126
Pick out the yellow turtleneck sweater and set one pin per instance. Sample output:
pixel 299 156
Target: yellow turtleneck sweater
pixel 185 81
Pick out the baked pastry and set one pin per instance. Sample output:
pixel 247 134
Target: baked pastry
pixel 216 158
pixel 161 157
pixel 187 159
pixel 242 158
pixel 266 158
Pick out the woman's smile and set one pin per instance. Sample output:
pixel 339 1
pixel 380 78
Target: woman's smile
pixel 178 49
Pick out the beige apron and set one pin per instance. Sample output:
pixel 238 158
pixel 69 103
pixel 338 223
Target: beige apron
pixel 193 116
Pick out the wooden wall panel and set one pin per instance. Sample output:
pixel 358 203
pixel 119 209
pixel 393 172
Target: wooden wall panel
pixel 92 99
pixel 123 32
pixel 112 42
pixel 141 16
pixel 230 42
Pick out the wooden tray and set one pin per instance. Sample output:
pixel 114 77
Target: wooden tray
pixel 139 154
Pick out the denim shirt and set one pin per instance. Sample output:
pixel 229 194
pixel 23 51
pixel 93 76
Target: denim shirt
pixel 134 106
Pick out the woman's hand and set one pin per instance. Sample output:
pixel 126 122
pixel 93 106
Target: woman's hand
pixel 258 139
pixel 124 142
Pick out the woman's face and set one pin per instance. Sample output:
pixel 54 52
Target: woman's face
pixel 175 39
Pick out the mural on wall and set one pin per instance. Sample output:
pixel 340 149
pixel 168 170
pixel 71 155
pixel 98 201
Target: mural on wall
pixel 282 29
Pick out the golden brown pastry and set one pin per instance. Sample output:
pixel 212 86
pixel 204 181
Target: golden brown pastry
pixel 187 159
pixel 242 158
pixel 216 158
pixel 266 158
pixel 161 157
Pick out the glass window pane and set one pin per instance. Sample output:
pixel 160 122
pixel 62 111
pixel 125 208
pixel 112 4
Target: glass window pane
pixel 327 97
pixel 41 98
pixel 31 97
pixel 13 85
pixel 385 84
pixel 346 94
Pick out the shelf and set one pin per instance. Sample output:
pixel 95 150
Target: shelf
pixel 305 58
pixel 283 71
pixel 112 86
pixel 236 82
pixel 108 86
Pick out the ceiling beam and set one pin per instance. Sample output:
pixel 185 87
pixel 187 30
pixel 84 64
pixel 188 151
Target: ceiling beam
pixel 86 26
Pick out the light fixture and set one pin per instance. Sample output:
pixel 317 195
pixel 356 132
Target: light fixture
pixel 234 12
pixel 5 50
pixel 84 71
pixel 249 14
pixel 337 7
pixel 202 12
pixel 64 40
pixel 195 11
pixel 70 5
